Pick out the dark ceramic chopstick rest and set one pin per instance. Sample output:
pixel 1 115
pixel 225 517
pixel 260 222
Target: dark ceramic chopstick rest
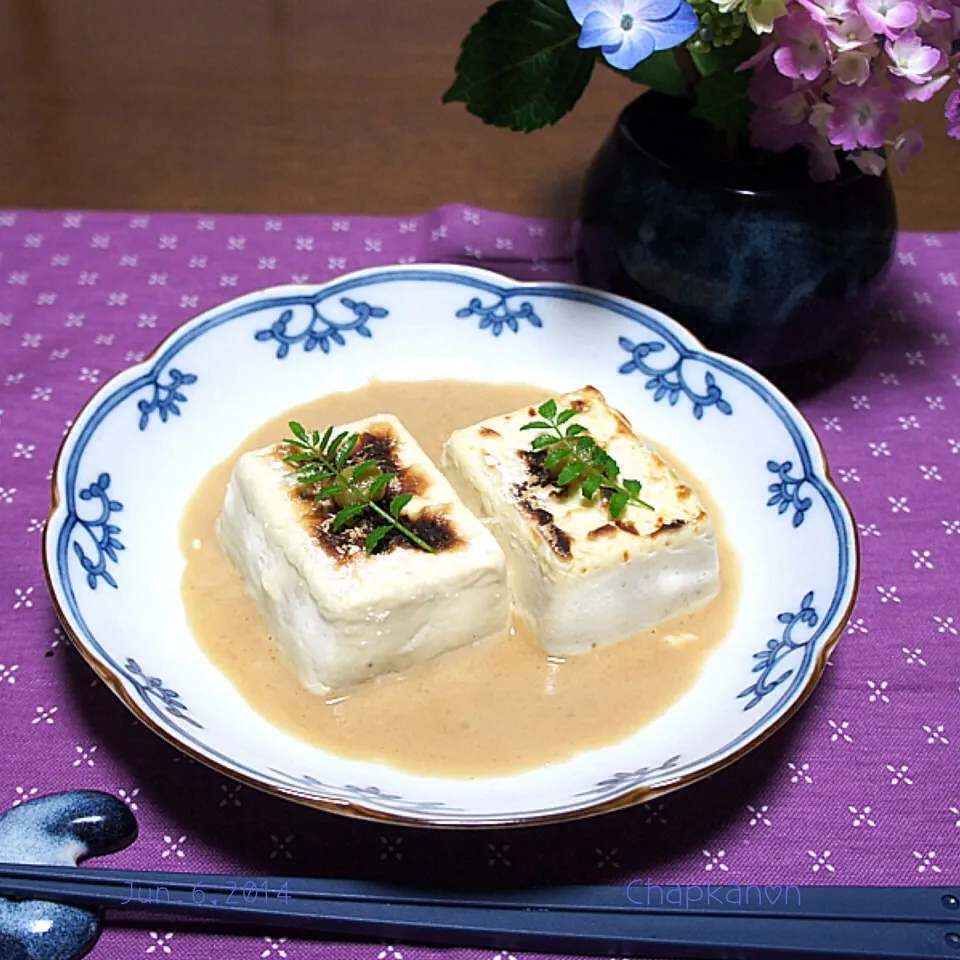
pixel 60 829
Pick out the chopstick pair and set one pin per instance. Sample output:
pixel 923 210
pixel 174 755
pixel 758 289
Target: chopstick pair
pixel 639 919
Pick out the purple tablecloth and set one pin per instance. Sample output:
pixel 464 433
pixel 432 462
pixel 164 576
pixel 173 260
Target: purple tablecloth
pixel 863 787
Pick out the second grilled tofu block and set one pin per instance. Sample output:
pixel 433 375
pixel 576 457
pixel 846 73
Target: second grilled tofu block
pixel 580 577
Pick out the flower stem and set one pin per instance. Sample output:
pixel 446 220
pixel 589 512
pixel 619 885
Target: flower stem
pixel 688 69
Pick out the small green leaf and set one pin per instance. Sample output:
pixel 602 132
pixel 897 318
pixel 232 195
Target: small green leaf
pixel 548 409
pixel 537 425
pixel 543 441
pixel 618 503
pixel 605 462
pixel 591 485
pixel 586 443
pixel 297 430
pixel 347 514
pixel 660 71
pixel 326 438
pixel 520 66
pixel 313 476
pixel 343 454
pixel 334 490
pixel 298 457
pixel 633 487
pixel 576 430
pixel 296 443
pixel 555 457
pixel 565 416
pixel 335 443
pixel 373 540
pixel 379 485
pixel 398 503
pixel 571 472
pixel 315 438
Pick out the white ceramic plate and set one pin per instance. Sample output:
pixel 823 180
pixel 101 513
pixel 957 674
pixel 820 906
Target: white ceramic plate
pixel 142 445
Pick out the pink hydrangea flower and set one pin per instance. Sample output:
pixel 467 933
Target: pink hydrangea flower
pixel 819 116
pixel 905 148
pixel 852 66
pixel 911 59
pixel 869 161
pixel 888 17
pixel 930 12
pixel 802 50
pixel 759 59
pixel 768 87
pixel 907 90
pixel 851 32
pixel 861 116
pixel 825 11
pixel 822 156
pixel 822 159
pixel 936 25
pixel 770 130
pixel 830 77
pixel 952 114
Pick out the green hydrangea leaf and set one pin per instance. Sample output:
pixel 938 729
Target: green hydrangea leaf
pixel 456 94
pixel 520 66
pixel 726 58
pixel 723 101
pixel 661 72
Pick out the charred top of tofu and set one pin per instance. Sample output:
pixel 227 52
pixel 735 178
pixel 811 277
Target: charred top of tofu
pixel 431 523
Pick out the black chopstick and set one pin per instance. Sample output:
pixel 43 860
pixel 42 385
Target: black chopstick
pixel 817 922
pixel 933 904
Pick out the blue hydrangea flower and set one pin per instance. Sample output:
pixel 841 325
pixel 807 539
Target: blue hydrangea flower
pixel 628 31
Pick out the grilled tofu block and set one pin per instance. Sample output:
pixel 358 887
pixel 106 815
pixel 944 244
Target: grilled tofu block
pixel 580 577
pixel 341 615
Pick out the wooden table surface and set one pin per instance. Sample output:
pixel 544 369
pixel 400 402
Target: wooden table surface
pixel 314 106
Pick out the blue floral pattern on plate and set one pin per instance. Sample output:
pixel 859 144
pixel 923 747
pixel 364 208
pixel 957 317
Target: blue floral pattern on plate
pixel 153 687
pixel 321 331
pixel 352 792
pixel 166 396
pixel 778 649
pixel 628 780
pixel 102 533
pixel 500 314
pixel 786 493
pixel 670 382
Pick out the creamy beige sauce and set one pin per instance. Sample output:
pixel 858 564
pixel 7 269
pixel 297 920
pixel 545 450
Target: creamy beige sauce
pixel 497 707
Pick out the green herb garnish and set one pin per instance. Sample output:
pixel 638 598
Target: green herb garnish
pixel 322 460
pixel 573 456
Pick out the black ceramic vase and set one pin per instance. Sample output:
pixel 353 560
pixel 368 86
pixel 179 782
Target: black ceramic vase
pixel 756 259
